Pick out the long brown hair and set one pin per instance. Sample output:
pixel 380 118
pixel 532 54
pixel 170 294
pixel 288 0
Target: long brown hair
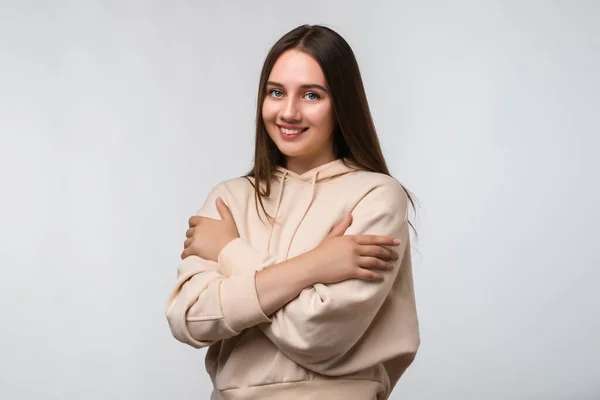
pixel 355 137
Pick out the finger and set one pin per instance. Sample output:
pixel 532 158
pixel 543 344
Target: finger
pixel 370 276
pixel 189 232
pixel 378 251
pixel 341 226
pixel 186 253
pixel 375 263
pixel 377 240
pixel 187 242
pixel 224 211
pixel 195 220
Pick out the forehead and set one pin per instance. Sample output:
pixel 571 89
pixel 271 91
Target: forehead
pixel 296 67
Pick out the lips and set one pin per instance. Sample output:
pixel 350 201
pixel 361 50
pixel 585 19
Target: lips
pixel 290 132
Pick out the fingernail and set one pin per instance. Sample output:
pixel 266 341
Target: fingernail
pixel 219 201
pixel 397 241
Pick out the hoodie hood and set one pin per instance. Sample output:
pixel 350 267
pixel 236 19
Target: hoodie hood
pixel 320 174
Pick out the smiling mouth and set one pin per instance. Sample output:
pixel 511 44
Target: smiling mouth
pixel 291 132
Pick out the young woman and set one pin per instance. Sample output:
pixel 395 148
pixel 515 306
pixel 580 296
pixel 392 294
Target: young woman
pixel 298 275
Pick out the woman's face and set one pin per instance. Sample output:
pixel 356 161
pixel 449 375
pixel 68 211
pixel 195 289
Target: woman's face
pixel 298 111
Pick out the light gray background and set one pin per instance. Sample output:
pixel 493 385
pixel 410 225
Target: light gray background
pixel 117 117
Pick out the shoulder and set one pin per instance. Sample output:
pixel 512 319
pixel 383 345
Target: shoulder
pixel 381 188
pixel 234 191
pixel 234 186
pixel 237 185
pixel 383 205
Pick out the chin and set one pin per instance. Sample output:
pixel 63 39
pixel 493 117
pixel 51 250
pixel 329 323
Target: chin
pixel 290 151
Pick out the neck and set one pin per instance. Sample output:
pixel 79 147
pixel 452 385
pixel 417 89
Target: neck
pixel 300 165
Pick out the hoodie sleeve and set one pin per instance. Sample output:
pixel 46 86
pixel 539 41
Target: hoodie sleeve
pixel 207 305
pixel 319 328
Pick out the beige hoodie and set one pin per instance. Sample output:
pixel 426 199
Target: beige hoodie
pixel 349 340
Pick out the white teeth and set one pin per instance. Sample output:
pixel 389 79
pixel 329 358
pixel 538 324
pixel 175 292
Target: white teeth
pixel 290 131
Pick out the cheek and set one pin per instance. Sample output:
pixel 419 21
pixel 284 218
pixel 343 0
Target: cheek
pixel 321 116
pixel 269 111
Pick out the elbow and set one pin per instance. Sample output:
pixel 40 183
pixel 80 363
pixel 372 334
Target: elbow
pixel 325 364
pixel 320 356
pixel 183 330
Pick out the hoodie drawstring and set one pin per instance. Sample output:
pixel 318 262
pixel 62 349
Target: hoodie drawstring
pixel 312 197
pixel 279 197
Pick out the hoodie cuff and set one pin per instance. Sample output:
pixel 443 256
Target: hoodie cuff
pixel 239 302
pixel 239 258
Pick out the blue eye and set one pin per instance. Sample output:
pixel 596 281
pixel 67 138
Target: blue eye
pixel 275 93
pixel 312 96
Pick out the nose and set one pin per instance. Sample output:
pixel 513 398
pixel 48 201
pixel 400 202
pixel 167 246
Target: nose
pixel 290 111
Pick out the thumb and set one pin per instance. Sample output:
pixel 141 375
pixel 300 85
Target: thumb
pixel 341 227
pixel 224 211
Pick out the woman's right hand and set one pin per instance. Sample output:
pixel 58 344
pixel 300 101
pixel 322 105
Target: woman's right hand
pixel 340 257
pixel 337 258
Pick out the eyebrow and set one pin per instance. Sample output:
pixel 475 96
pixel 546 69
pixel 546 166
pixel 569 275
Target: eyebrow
pixel 305 86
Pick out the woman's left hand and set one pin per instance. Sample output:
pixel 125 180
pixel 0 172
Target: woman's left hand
pixel 206 237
